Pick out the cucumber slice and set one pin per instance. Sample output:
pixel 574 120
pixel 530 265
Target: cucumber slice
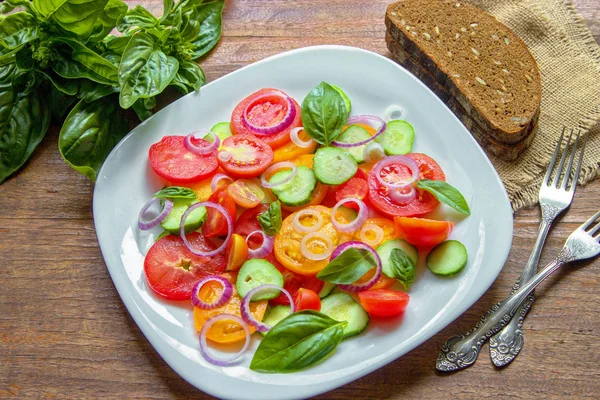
pixel 342 307
pixel 298 191
pixel 275 314
pixel 353 134
pixel 222 129
pixel 256 272
pixel 385 250
pixel 334 166
pixel 347 102
pixel 447 258
pixel 193 221
pixel 397 138
pixel 326 289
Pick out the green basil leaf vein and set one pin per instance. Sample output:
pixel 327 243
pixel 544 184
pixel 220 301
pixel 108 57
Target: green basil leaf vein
pixel 348 267
pixel 209 16
pixel 18 29
pixel 77 17
pixel 402 267
pixel 446 194
pixel 324 113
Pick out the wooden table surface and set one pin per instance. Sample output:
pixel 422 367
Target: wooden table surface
pixel 65 334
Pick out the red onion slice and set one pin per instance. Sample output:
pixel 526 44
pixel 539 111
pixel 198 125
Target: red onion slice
pixel 214 183
pixel 146 225
pixel 217 207
pixel 285 122
pixel 377 231
pixel 245 309
pixel 367 120
pixel 301 228
pixel 202 150
pixel 265 248
pixel 204 345
pixel 359 287
pixel 299 142
pixel 408 162
pixel 360 219
pixel 403 195
pixel 306 252
pixel 274 168
pixel 222 300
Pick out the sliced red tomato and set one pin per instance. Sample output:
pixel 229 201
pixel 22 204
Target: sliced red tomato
pixel 172 161
pixel 246 193
pixel 354 188
pixel 423 232
pixel 292 282
pixel 172 270
pixel 265 108
pixel 216 223
pixel 246 156
pixel 383 302
pixel 423 203
pixel 306 299
pixel 247 223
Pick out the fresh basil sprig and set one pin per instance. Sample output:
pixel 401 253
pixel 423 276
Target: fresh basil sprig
pixel 347 267
pixel 270 220
pixel 298 341
pixel 446 194
pixel 324 113
pixel 402 267
pixel 176 192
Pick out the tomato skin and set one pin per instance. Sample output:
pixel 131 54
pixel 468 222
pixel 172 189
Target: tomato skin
pixel 389 229
pixel 383 302
pixel 423 232
pixel 164 266
pixel 293 282
pixel 250 156
pixel 276 140
pixel 354 188
pixel 247 223
pixel 172 161
pixel 236 252
pixel 424 203
pixel 306 299
pixel 216 224
pixel 246 193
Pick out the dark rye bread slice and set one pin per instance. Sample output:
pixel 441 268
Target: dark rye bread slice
pixel 481 62
pixel 506 152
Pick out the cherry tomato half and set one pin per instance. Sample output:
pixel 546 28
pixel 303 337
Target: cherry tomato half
pixel 245 156
pixel 423 232
pixel 216 223
pixel 306 299
pixel 246 193
pixel 383 302
pixel 292 282
pixel 172 161
pixel 172 270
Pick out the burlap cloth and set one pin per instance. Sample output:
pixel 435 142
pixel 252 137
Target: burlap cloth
pixel 569 62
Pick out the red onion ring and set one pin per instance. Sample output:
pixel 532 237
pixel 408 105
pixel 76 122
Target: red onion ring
pixel 300 228
pixel 204 346
pixel 401 196
pixel 299 142
pixel 245 309
pixel 275 167
pixel 202 150
pixel 363 119
pixel 373 152
pixel 225 295
pixel 354 287
pixel 214 183
pixel 271 130
pixel 217 207
pixel 316 256
pixel 265 248
pixel 146 225
pixel 394 160
pixel 360 219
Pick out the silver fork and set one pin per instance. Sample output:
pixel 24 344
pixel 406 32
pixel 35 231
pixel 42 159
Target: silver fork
pixel 582 244
pixel 469 344
pixel 554 199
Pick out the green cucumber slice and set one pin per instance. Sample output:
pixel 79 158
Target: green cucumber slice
pixel 222 129
pixel 342 307
pixel 193 221
pixel 447 258
pixel 334 166
pixel 385 250
pixel 256 272
pixel 354 134
pixel 275 314
pixel 326 289
pixel 298 191
pixel 397 138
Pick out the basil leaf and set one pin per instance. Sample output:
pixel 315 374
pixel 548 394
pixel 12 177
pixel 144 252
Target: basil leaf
pixel 145 70
pixel 90 59
pixel 167 7
pixel 9 5
pixel 402 267
pixel 18 29
pixel 176 192
pixel 116 44
pixel 107 20
pixel 143 107
pixel 190 77
pixel 59 103
pixel 348 267
pixel 209 16
pixel 445 193
pixel 24 59
pixel 70 69
pixel 324 114
pixel 67 86
pixel 270 220
pixel 139 16
pixel 24 119
pixel 298 341
pixel 190 27
pixel 91 91
pixel 75 16
pixel 89 133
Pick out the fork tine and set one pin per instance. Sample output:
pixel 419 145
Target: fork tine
pixel 587 223
pixel 570 166
pixel 553 160
pixel 595 229
pixel 562 162
pixel 576 177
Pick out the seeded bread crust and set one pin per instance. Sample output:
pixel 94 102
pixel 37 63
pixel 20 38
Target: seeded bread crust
pixel 506 152
pixel 468 52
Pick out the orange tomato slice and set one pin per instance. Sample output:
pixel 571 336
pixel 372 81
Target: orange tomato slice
pixel 290 151
pixel 287 242
pixel 383 282
pixel 305 160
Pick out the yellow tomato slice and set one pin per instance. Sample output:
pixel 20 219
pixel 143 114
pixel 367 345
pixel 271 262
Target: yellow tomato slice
pixel 289 151
pixel 389 230
pixel 305 160
pixel 236 252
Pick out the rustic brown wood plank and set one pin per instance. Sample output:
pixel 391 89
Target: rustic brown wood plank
pixel 64 332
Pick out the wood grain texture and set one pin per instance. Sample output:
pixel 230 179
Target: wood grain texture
pixel 65 334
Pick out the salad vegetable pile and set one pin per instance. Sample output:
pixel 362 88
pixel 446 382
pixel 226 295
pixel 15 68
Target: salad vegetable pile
pixel 298 222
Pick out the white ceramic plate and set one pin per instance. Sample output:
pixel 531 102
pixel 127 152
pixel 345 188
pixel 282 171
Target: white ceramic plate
pixel 372 82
